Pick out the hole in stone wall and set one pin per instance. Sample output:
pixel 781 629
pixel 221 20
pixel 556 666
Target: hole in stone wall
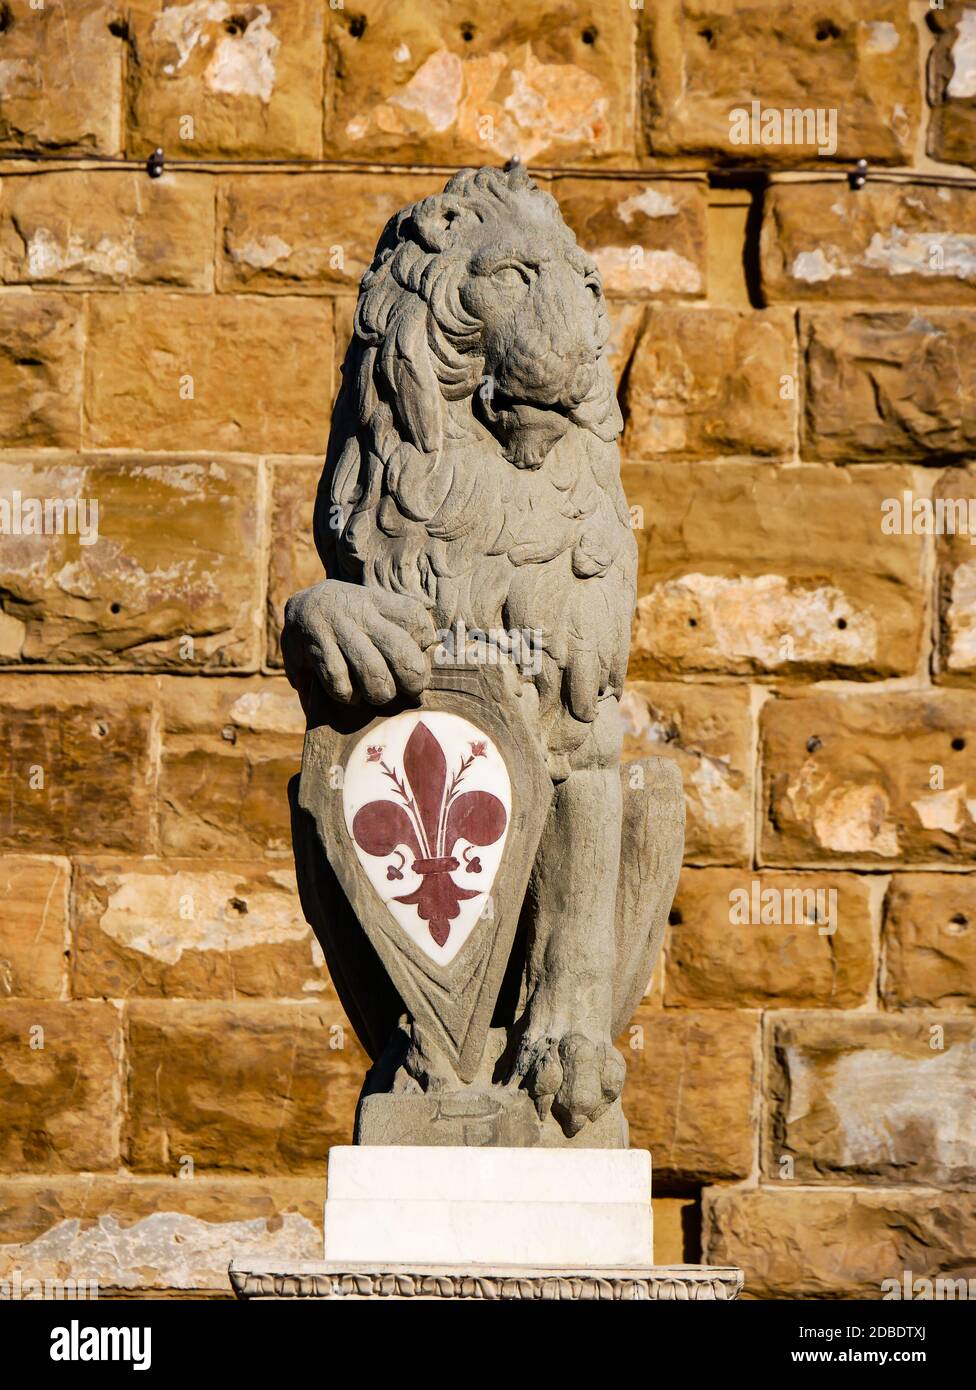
pixel 119 28
pixel 708 35
pixel 958 744
pixel 589 34
pixel 959 919
pixel 813 743
pixel 754 184
pixel 236 24
pixel 841 623
pixel 825 30
pixel 357 25
pixel 239 905
pixel 467 32
pixel 115 608
pixel 6 18
pixel 692 622
pixel 674 917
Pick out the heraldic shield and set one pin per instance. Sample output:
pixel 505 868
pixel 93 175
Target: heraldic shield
pixel 415 828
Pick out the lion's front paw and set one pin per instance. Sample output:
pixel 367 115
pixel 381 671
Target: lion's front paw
pixel 574 1076
pixel 356 639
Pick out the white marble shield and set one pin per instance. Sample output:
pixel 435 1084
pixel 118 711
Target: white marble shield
pixel 427 803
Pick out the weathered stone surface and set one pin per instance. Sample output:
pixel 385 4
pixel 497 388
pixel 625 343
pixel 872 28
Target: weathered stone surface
pixel 648 238
pixel 294 562
pixel 61 76
pixel 707 730
pixel 731 239
pixel 108 228
pixel 832 790
pixel 654 994
pixel 233 706
pixel 316 234
pixel 179 929
pixel 955 493
pixel 76 767
pixel 677 1231
pixel 117 587
pixel 226 759
pixel 41 343
pixel 233 373
pixel 208 79
pixel 151 1235
pixel 838 1244
pixel 429 84
pixel 889 384
pixel 861 1099
pixel 744 939
pixel 930 942
pixel 702 382
pixel 241 1088
pixel 696 1131
pixel 881 242
pixel 952 84
pixel 626 323
pixel 500 1117
pixel 725 584
pixel 703 59
pixel 59 1086
pixel 33 926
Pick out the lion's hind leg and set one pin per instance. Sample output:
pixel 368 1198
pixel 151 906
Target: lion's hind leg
pixel 651 847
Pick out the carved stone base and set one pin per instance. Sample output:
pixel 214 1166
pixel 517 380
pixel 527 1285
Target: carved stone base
pixel 333 1280
pixel 474 1118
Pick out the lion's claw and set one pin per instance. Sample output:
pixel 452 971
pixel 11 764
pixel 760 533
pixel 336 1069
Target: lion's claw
pixel 573 1076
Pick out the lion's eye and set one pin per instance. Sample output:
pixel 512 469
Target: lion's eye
pixel 510 274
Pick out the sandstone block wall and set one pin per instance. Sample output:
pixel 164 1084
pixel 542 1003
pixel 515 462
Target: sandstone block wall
pixel 792 354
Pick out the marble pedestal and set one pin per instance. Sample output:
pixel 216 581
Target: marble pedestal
pixel 450 1206
pixel 404 1221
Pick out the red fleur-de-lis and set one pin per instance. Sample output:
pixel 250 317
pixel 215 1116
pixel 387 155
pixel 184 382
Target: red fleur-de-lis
pixel 430 822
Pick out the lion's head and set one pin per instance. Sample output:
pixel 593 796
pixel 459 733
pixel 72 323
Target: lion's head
pixel 484 289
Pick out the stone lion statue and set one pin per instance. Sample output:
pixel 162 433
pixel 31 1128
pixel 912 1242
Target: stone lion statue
pixel 472 483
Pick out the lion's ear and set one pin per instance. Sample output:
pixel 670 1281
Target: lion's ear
pixel 405 365
pixel 434 220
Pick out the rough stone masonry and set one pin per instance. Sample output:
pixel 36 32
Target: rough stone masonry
pixel 790 356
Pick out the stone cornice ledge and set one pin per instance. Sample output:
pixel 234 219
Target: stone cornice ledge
pixel 308 1279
